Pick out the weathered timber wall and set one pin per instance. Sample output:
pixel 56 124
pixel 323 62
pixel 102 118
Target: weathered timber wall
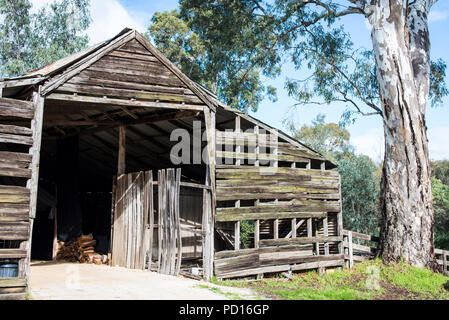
pixel 17 160
pixel 286 193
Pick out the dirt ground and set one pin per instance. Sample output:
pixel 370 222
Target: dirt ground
pixel 75 281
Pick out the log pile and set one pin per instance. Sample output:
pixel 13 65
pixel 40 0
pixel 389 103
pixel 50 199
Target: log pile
pixel 80 250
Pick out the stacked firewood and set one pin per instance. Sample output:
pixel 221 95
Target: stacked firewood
pixel 80 250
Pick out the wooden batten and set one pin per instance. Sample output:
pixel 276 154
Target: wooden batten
pixel 121 166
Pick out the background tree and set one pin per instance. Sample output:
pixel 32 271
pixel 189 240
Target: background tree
pixel 30 41
pixel 360 176
pixel 440 170
pixel 223 46
pixel 441 205
pixel 329 139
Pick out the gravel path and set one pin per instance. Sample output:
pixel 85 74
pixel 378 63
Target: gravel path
pixel 74 281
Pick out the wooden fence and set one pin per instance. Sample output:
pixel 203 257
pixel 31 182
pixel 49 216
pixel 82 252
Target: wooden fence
pixel 360 247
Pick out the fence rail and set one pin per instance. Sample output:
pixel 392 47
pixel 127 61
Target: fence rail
pixel 360 247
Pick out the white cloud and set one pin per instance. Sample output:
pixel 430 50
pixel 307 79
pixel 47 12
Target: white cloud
pixel 438 15
pixel 109 17
pixel 370 143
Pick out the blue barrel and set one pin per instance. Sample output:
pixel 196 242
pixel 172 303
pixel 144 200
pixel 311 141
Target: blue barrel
pixel 9 269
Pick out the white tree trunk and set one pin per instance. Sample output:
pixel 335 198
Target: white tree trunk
pixel 401 47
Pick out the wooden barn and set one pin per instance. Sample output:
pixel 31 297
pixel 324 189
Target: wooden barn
pixel 87 148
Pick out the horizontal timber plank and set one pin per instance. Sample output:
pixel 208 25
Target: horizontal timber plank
pixel 305 240
pixel 270 261
pixel 226 171
pixel 247 135
pixel 11 208
pixel 17 139
pixel 360 248
pixel 15 291
pixel 14 235
pixel 249 272
pixel 132 55
pixel 294 151
pixel 357 258
pixel 13 164
pixel 12 253
pixel 145 77
pixel 16 112
pixel 15 172
pixel 126 93
pixel 129 85
pixel 19 104
pixel 441 251
pixel 14 198
pixel 255 194
pixel 324 206
pixel 234 253
pixel 300 181
pixel 12 282
pixel 275 189
pixel 361 236
pixel 13 296
pixel 236 263
pixel 143 68
pixel 318 264
pixel 15 130
pixel 124 102
pixel 154 80
pixel 259 156
pixel 15 156
pixel 269 215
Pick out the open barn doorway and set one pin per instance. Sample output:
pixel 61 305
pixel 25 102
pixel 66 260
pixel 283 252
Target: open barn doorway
pixel 83 168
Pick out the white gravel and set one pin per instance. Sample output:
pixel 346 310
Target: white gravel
pixel 75 281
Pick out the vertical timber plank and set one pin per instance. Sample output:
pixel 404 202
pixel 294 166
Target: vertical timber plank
pixel 256 233
pixel 209 117
pixel 121 165
pixel 33 183
pixel 351 257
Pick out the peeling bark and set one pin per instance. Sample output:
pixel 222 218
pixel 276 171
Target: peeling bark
pixel 401 45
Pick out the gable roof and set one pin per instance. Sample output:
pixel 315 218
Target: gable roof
pixel 56 74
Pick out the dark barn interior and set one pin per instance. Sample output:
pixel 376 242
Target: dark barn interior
pixel 79 162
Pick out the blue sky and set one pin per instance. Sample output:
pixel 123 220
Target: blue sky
pixel 110 16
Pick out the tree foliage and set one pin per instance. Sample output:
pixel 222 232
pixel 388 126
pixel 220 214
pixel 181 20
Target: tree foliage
pixel 224 45
pixel 441 206
pixel 440 170
pixel 329 139
pixel 30 41
pixel 360 187
pixel 360 176
pixel 440 190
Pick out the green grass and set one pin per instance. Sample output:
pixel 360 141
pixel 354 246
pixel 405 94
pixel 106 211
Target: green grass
pixel 368 280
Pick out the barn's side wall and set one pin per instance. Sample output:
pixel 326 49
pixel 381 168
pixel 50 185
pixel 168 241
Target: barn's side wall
pixel 19 170
pixel 286 194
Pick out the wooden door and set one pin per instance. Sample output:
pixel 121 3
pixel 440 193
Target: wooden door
pixel 132 220
pixel 169 226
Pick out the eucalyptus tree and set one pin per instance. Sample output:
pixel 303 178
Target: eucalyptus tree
pixel 395 80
